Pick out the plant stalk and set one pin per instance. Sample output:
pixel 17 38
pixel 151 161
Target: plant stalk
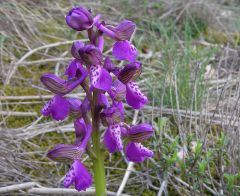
pixel 98 160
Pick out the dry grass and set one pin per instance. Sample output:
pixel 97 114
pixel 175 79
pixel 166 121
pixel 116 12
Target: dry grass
pixel 191 56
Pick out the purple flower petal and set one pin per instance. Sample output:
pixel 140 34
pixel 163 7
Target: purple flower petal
pixel 124 50
pixel 57 107
pixel 75 69
pixel 109 142
pixel 79 19
pixel 119 105
pixel 100 78
pixel 76 46
pixel 101 26
pixel 130 72
pixel 63 152
pixel 79 176
pixel 85 105
pixel 108 65
pixel 60 86
pixel 117 91
pixel 75 107
pixel 141 132
pixel 102 101
pixel 134 96
pixel 100 42
pixel 124 132
pixel 137 153
pixel 112 138
pixel 83 132
pixel 80 129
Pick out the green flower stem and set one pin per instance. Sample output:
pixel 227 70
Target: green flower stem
pixel 98 160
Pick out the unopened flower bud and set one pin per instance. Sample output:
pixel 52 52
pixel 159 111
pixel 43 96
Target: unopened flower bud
pixel 79 19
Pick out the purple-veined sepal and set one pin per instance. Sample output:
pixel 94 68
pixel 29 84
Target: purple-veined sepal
pixel 65 152
pixel 57 107
pixel 111 115
pixel 124 50
pixel 80 130
pixel 137 153
pixel 75 107
pixel 117 91
pixel 130 72
pixel 83 133
pixel 79 176
pixel 140 133
pixel 124 30
pixel 60 86
pixel 100 78
pixel 119 105
pixel 134 97
pixel 76 46
pixel 112 138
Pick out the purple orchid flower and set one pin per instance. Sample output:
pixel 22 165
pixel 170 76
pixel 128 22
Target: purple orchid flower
pixel 73 151
pixel 112 118
pixel 77 174
pixel 123 50
pixel 107 87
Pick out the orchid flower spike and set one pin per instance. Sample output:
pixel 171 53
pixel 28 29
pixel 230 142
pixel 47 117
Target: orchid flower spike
pixel 106 87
